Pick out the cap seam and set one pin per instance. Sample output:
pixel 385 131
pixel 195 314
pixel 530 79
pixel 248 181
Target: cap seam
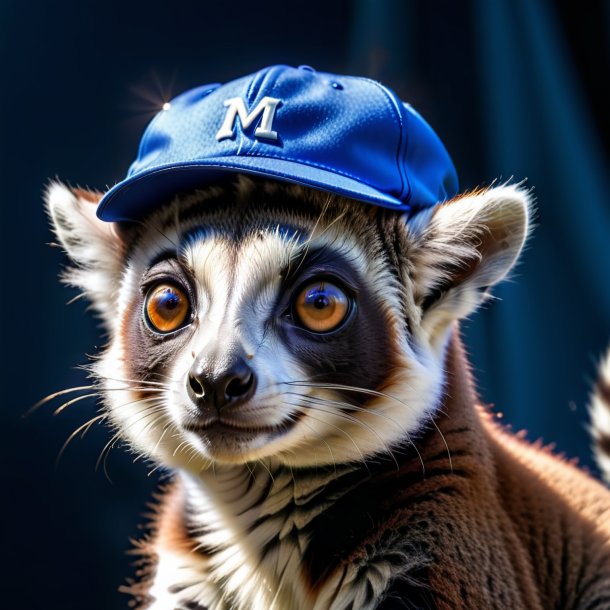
pixel 202 163
pixel 398 118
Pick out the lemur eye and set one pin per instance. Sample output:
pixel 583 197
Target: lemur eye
pixel 167 308
pixel 321 306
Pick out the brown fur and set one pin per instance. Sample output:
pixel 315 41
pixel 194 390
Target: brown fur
pixel 505 525
pixel 538 529
pixel 167 530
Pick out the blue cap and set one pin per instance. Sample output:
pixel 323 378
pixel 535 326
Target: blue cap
pixel 342 134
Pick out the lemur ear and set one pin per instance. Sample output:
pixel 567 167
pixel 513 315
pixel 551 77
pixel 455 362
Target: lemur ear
pixel 96 247
pixel 80 232
pixel 465 246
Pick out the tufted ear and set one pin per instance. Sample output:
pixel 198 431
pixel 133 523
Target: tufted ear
pixel 95 247
pixel 462 248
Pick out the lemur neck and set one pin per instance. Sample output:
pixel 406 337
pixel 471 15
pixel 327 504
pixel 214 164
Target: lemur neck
pixel 455 440
pixel 459 412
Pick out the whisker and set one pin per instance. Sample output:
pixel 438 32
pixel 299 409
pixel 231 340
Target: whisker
pixel 150 472
pixel 99 391
pixel 374 393
pixel 350 406
pixel 139 381
pixel 153 411
pixel 65 405
pixel 319 437
pixel 318 406
pixel 148 224
pixel 444 441
pixel 249 468
pixel 347 388
pixel 85 427
pixel 333 426
pixel 165 429
pixel 50 397
pixel 179 447
pixel 267 469
pixel 99 418
pixel 78 297
pixel 304 249
pixel 101 457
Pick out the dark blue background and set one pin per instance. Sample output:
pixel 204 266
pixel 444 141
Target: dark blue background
pixel 514 87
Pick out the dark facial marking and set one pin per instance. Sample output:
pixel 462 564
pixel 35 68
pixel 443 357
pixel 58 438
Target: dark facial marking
pixel 147 352
pixel 359 352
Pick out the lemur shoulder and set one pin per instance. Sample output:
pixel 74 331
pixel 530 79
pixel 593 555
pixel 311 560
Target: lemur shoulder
pixel 294 357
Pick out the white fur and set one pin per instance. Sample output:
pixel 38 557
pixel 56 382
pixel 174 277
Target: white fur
pixel 251 584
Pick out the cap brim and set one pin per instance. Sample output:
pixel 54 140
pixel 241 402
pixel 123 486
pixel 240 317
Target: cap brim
pixel 135 197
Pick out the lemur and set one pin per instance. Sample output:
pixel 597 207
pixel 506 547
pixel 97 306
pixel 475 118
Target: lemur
pixel 292 354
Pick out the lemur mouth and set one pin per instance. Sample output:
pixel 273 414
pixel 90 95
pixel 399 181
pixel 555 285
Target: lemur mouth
pixel 218 428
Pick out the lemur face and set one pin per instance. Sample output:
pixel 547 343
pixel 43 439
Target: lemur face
pixel 266 321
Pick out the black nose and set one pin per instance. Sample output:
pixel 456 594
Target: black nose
pixel 211 385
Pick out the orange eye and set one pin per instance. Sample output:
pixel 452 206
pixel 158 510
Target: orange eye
pixel 321 307
pixel 167 307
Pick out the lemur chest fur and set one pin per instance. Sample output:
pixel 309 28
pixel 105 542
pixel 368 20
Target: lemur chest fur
pixel 255 540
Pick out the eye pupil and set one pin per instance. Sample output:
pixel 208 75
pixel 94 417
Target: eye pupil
pixel 321 301
pixel 170 301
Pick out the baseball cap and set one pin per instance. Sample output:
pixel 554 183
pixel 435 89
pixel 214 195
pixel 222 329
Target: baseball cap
pixel 343 134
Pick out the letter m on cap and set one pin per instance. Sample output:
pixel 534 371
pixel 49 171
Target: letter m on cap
pixel 236 107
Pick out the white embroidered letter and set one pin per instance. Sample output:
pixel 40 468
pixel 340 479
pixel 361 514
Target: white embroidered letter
pixel 237 108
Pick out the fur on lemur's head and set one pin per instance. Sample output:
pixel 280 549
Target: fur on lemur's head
pixel 260 320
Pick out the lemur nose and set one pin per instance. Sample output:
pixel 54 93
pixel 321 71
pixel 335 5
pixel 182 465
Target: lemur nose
pixel 213 386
